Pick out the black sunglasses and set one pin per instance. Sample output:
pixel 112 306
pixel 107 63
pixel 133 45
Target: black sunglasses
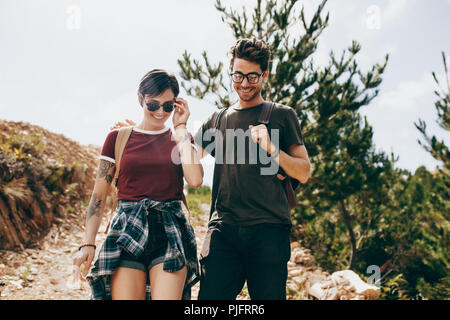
pixel 153 106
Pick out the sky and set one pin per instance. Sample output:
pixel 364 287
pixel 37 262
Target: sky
pixel 73 67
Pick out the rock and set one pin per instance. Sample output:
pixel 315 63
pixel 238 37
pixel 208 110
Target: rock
pixel 17 283
pixel 344 285
pixel 301 256
pixel 295 245
pixel 369 291
pixel 295 272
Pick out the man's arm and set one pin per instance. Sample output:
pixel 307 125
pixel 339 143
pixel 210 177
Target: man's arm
pixel 295 163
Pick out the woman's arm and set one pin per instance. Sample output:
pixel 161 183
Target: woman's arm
pixel 192 168
pixel 96 207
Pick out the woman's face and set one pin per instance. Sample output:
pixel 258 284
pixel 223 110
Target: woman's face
pixel 158 117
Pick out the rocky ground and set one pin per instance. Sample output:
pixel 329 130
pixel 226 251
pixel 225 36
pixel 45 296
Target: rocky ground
pixel 43 272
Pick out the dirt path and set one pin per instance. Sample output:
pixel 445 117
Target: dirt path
pixel 42 273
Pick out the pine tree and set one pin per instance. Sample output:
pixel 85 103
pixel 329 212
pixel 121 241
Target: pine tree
pixel 348 192
pixel 439 149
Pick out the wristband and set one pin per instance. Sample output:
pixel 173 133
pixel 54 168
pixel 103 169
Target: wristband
pixel 87 245
pixel 179 125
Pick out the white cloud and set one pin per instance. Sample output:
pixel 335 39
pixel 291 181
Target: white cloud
pixel 407 96
pixel 392 116
pixel 394 9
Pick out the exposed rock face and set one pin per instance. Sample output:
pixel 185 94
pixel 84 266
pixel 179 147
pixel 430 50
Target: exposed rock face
pixel 42 175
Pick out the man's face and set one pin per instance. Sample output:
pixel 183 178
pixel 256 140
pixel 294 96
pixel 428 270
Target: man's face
pixel 248 91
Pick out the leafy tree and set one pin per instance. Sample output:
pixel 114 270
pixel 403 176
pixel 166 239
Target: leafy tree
pixel 348 194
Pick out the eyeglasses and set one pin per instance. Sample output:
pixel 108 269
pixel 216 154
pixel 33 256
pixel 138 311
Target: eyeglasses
pixel 153 106
pixel 252 77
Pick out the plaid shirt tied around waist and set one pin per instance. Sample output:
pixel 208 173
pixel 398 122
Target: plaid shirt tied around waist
pixel 129 231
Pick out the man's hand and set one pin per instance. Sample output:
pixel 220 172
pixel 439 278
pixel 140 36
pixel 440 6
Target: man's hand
pixel 261 136
pixel 119 124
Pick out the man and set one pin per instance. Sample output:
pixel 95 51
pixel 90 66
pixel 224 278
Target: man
pixel 248 232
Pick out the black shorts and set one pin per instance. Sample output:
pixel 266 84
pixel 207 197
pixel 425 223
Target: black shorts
pixel 155 249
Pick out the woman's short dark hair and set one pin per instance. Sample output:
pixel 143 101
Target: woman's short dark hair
pixel 157 81
pixel 253 50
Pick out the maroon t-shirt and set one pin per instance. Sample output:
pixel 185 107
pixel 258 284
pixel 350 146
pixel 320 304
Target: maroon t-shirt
pixel 147 169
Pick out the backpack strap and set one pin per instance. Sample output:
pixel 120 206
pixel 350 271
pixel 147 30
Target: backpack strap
pixel 215 121
pixel 266 111
pixel 121 141
pixel 289 183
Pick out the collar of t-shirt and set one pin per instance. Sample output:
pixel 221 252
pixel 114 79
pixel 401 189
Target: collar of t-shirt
pixel 248 108
pixel 151 132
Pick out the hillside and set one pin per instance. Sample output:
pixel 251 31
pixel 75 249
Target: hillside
pixel 43 176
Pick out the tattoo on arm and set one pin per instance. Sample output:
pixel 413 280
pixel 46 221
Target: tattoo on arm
pixel 104 170
pixel 95 207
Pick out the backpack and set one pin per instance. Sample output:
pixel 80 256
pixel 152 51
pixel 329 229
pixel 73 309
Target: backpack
pixel 121 141
pixel 290 184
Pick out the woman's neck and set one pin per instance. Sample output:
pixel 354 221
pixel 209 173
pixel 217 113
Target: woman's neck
pixel 148 126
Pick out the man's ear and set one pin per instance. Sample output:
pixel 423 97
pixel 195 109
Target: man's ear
pixel 266 75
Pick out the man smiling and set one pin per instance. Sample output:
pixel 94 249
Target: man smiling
pixel 248 231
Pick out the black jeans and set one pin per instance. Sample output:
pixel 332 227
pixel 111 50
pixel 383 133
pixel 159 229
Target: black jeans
pixel 232 255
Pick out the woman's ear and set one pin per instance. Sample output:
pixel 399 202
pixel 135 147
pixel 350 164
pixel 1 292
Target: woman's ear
pixel 141 99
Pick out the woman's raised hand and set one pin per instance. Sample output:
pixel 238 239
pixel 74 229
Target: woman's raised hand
pixel 182 113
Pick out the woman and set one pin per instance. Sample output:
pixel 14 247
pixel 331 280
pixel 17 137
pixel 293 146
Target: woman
pixel 150 243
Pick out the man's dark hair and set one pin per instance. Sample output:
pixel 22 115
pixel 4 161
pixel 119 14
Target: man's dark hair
pixel 157 81
pixel 253 50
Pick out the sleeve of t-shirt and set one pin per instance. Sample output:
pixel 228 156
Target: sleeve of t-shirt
pixel 205 140
pixel 109 147
pixel 292 133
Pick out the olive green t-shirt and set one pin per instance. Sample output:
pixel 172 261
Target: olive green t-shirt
pixel 246 190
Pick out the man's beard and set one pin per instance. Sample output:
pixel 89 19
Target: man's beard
pixel 253 96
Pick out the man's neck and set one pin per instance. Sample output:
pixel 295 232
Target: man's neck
pixel 249 104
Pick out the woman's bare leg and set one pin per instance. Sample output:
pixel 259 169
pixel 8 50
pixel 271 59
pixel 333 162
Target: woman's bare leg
pixel 166 285
pixel 128 284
